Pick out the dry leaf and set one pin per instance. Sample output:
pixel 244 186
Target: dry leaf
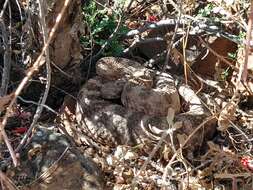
pixel 4 101
pixel 181 138
pixel 170 116
pixel 178 125
pixel 226 116
pixel 176 56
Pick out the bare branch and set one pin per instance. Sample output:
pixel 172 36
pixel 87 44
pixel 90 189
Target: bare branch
pixel 37 64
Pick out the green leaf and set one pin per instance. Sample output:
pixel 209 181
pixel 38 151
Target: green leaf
pixel 102 25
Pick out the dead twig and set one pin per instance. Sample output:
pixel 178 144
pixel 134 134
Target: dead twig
pixel 37 104
pixel 244 68
pixel 37 64
pixel 51 169
pixel 40 107
pixel 4 8
pixel 6 182
pixel 186 65
pixel 171 42
pixel 7 58
pixel 172 128
pixel 176 154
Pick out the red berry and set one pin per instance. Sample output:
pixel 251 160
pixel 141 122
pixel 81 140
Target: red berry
pixel 152 18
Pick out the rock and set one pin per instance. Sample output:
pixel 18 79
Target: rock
pixel 50 163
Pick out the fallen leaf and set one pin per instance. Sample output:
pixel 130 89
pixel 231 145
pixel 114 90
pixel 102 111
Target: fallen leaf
pixel 4 101
pixel 226 116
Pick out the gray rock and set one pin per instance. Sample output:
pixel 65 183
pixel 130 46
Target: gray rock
pixel 51 163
